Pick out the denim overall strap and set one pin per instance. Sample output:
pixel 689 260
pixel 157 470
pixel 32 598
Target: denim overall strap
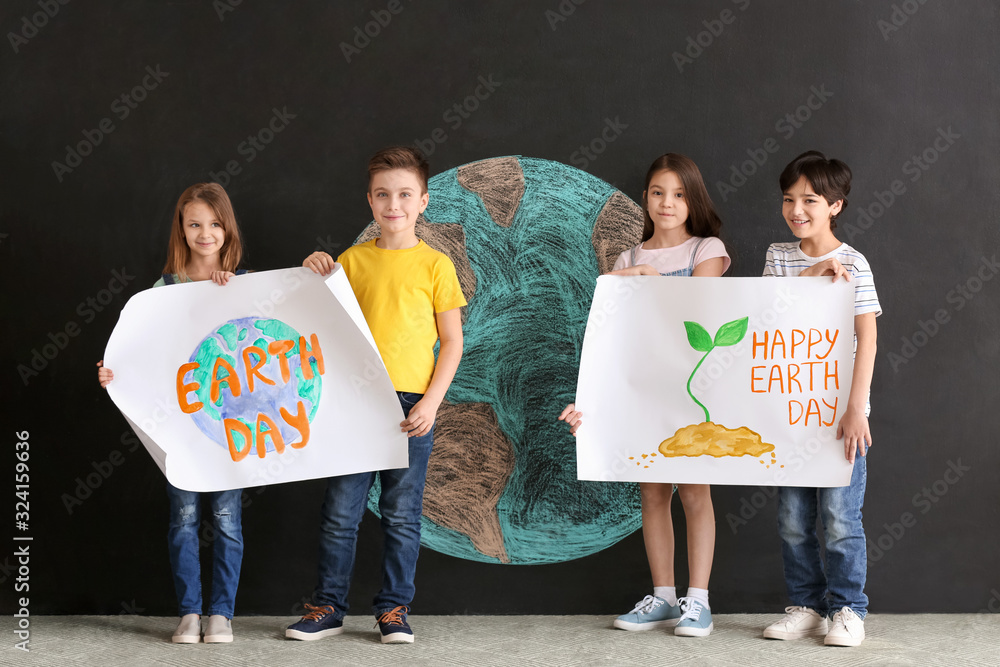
pixel 694 253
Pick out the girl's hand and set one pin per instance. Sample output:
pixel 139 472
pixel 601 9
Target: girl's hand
pixel 828 267
pixel 571 417
pixel 104 375
pixel 321 263
pixel 637 270
pixel 421 417
pixel 853 428
pixel 221 277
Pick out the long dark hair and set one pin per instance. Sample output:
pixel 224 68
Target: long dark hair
pixel 702 220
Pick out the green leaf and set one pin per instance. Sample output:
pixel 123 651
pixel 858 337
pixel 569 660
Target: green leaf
pixel 698 337
pixel 731 333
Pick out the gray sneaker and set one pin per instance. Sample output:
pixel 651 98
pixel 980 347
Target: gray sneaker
pixel 219 630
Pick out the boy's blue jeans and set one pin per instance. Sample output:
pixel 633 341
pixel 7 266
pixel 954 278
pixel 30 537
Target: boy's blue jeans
pixel 227 548
pixel 843 583
pixel 401 505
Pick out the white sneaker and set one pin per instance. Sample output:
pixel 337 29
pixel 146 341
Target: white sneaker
pixel 797 623
pixel 848 629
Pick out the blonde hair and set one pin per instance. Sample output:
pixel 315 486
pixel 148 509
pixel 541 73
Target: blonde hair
pixel 178 252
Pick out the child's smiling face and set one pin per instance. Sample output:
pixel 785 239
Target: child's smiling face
pixel 396 197
pixel 808 214
pixel 203 231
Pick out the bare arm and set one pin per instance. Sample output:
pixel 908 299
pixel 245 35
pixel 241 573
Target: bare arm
pixel 710 268
pixel 854 424
pixel 424 413
pixel 637 270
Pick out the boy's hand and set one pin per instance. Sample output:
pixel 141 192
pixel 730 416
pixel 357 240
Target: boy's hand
pixel 637 270
pixel 320 262
pixel 853 428
pixel 421 418
pixel 104 375
pixel 221 277
pixel 828 267
pixel 571 417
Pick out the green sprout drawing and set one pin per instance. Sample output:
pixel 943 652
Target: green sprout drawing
pixel 728 334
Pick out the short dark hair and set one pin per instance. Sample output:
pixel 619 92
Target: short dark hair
pixel 829 178
pixel 399 157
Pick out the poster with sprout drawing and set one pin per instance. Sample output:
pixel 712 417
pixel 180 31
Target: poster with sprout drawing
pixel 271 378
pixel 716 381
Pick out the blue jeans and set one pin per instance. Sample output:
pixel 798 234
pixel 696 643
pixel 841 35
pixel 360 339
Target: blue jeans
pixel 843 583
pixel 400 504
pixel 227 548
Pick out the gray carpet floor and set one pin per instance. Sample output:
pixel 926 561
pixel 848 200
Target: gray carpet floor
pixel 525 641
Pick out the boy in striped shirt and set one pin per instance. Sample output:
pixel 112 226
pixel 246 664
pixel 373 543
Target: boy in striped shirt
pixel 815 191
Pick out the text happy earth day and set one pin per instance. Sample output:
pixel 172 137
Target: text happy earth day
pixel 798 367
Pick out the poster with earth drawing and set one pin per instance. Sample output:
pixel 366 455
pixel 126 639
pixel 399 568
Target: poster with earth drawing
pixel 272 378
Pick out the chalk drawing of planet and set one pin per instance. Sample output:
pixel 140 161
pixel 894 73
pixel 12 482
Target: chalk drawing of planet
pixel 228 342
pixel 528 238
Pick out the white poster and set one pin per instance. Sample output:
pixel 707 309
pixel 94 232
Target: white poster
pixel 272 378
pixel 716 381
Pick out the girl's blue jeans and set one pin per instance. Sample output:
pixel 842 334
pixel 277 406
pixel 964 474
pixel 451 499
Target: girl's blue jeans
pixel 842 584
pixel 226 536
pixel 400 504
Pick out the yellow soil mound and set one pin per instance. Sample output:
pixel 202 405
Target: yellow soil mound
pixel 708 439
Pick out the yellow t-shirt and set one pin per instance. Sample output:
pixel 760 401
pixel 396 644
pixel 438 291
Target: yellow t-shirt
pixel 399 292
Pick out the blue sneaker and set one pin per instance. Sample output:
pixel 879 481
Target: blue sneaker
pixel 651 613
pixel 393 626
pixel 317 624
pixel 696 619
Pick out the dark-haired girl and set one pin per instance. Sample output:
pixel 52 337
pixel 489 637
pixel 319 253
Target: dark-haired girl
pixel 680 238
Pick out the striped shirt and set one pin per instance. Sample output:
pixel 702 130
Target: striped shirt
pixel 787 260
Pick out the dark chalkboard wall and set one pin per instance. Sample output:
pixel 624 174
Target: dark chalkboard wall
pixel 904 92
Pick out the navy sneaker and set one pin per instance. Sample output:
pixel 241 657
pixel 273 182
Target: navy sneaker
pixel 317 624
pixel 393 626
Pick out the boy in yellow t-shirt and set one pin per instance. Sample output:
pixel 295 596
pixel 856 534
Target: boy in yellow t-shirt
pixel 410 296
